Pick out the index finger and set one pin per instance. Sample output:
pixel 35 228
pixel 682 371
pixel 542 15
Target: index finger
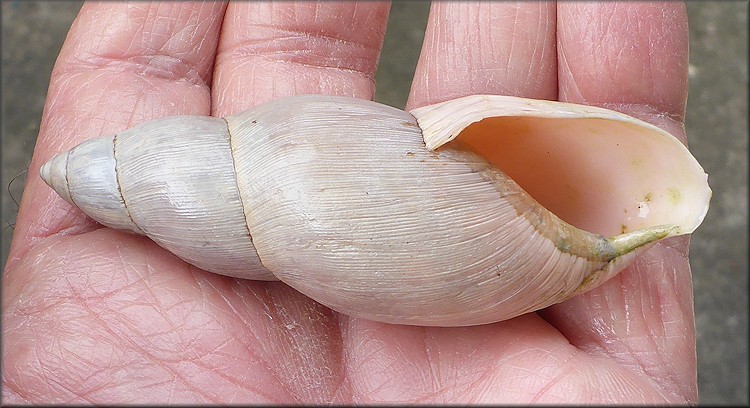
pixel 121 64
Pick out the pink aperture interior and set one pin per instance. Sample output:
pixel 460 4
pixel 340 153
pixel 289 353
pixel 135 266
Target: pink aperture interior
pixel 603 176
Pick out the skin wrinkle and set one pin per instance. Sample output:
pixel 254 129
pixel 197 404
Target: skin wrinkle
pixel 343 387
pixel 95 100
pixel 184 380
pixel 281 384
pixel 534 57
pixel 349 365
pixel 665 39
pixel 439 390
pixel 483 385
pixel 271 367
pixel 610 345
pixel 514 29
pixel 480 383
pixel 301 341
pixel 165 353
pixel 301 34
pixel 141 350
pixel 548 54
pixel 380 381
pixel 649 64
pixel 267 367
pixel 156 66
pixel 239 383
pixel 433 361
pixel 17 393
pixel 74 394
pixel 52 379
pixel 195 71
pixel 515 361
pixel 285 50
pixel 572 88
pixel 670 382
pixel 551 383
pixel 93 374
pixel 484 66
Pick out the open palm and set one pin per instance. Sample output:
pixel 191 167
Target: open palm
pixel 95 315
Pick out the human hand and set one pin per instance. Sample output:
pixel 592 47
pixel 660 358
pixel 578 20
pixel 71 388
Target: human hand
pixel 96 315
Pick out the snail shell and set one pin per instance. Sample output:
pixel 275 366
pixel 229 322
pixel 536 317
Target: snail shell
pixel 411 218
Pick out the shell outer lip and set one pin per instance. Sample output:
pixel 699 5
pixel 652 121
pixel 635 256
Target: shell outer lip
pixel 473 108
pixel 464 111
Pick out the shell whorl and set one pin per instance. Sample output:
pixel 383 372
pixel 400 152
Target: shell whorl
pixel 172 180
pixel 346 205
pixel 86 177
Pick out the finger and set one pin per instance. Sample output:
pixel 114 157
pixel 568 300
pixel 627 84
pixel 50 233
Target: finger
pixel 121 64
pixel 270 50
pixel 486 48
pixel 632 57
pixel 469 48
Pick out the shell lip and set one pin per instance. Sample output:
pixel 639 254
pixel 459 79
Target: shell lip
pixel 629 242
pixel 443 122
pixel 473 108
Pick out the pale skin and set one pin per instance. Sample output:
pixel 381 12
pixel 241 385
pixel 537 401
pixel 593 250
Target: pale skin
pixel 99 316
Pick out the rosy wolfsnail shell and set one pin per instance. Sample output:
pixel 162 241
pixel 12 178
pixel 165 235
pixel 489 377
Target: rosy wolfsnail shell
pixel 470 211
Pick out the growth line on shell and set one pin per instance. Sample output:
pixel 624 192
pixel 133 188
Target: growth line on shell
pixel 237 186
pixel 119 186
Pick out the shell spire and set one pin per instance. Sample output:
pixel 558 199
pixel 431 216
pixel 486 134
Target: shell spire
pixel 86 177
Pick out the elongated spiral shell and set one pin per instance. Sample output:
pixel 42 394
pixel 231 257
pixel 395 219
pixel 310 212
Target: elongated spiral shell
pixel 413 218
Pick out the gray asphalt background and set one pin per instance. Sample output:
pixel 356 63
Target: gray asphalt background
pixel 717 126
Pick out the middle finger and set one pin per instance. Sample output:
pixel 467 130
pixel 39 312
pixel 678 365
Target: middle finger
pixel 270 50
pixel 498 48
